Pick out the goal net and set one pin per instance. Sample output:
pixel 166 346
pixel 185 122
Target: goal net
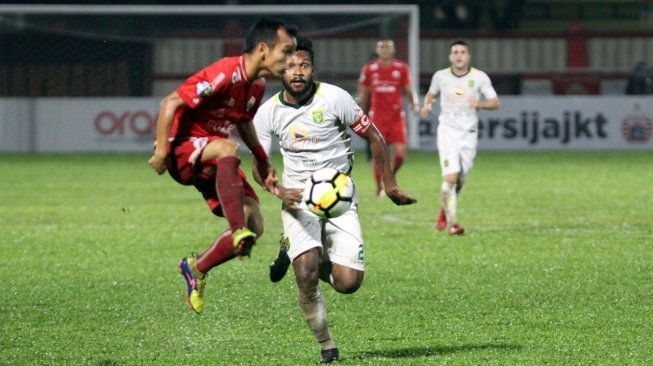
pixel 140 50
pixel 147 51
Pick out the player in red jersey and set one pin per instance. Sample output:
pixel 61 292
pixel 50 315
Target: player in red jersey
pixel 193 144
pixel 382 84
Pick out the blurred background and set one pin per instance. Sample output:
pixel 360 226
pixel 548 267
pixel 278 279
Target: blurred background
pixel 529 48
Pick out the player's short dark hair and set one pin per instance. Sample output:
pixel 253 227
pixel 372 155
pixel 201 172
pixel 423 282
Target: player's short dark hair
pixel 265 30
pixel 305 44
pixel 460 42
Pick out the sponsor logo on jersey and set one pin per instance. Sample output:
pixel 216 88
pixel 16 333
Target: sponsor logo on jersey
pixel 385 89
pixel 199 142
pixel 203 89
pixel 396 74
pixel 318 116
pixel 298 131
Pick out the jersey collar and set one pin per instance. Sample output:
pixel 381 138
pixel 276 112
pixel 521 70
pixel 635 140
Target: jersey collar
pixel 469 71
pixel 243 70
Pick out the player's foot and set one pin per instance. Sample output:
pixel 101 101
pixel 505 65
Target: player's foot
pixel 244 240
pixel 456 230
pixel 380 194
pixel 279 267
pixel 195 285
pixel 442 220
pixel 330 355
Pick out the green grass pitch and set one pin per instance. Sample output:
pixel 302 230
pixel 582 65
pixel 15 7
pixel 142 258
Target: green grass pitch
pixel 556 267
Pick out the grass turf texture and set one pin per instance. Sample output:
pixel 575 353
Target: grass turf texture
pixel 556 267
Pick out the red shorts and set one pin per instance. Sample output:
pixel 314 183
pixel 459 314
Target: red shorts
pixel 392 127
pixel 185 166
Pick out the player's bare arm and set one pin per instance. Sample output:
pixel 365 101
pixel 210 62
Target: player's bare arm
pixel 427 108
pixel 411 95
pixel 363 97
pixel 380 155
pixel 167 110
pixel 262 164
pixel 484 104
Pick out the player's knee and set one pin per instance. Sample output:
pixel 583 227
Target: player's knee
pixel 220 148
pixel 307 278
pixel 347 288
pixel 348 282
pixel 448 187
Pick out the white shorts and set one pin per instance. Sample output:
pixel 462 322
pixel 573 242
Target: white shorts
pixel 456 149
pixel 340 239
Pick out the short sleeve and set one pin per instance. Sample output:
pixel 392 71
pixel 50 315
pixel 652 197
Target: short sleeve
pixel 486 88
pixel 207 82
pixel 434 88
pixel 351 114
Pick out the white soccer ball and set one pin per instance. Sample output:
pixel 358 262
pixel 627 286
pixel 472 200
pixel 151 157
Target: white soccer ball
pixel 329 192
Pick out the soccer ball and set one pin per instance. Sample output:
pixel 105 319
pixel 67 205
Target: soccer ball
pixel 328 192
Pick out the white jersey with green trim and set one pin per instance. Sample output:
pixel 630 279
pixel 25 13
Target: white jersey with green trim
pixel 454 93
pixel 312 135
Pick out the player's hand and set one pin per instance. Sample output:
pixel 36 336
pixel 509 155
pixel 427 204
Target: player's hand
pixel 426 110
pixel 158 162
pixel 291 197
pixel 399 197
pixel 416 110
pixel 269 175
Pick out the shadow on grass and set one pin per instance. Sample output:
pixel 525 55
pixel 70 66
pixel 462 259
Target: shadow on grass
pixel 413 352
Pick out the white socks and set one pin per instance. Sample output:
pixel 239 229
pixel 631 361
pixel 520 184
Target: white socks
pixel 449 201
pixel 314 309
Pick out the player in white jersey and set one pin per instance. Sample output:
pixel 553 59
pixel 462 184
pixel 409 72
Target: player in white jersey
pixel 311 121
pixel 460 88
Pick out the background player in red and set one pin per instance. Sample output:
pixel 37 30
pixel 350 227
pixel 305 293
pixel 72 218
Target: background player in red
pixel 382 84
pixel 193 144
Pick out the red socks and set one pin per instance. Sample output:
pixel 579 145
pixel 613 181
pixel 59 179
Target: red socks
pixel 220 251
pixel 229 186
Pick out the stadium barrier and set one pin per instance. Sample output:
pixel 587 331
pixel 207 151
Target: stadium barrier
pixel 522 123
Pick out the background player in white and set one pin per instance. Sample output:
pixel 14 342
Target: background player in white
pixel 460 88
pixel 311 121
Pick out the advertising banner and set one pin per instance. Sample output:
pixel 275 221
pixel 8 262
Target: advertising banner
pixel 522 123
pixel 556 123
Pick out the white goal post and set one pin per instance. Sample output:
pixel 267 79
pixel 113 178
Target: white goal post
pixel 14 12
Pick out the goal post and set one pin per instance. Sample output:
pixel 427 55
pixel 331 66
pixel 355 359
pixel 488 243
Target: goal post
pixel 162 44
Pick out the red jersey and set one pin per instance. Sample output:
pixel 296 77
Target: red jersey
pixel 217 97
pixel 386 85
